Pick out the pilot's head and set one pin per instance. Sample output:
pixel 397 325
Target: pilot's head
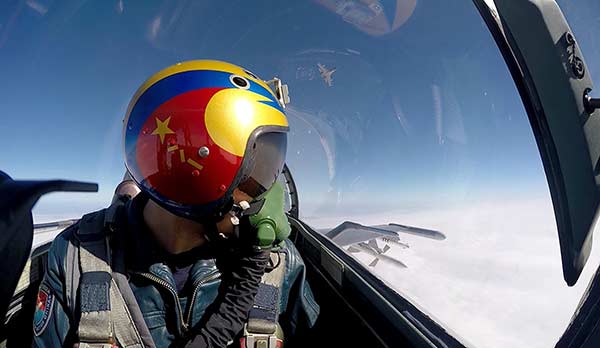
pixel 196 131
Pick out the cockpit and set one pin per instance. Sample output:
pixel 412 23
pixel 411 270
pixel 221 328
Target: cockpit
pixel 440 177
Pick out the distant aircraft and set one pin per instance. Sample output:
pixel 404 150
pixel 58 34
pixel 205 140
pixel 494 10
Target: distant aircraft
pixel 326 74
pixel 360 238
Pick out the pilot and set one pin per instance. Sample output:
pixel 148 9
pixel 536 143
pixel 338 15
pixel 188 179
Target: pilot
pixel 199 258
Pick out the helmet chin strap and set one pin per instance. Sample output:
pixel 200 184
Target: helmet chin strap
pixel 247 209
pixel 238 213
pixel 210 221
pixel 220 212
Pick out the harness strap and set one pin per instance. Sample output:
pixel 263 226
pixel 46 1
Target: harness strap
pixel 94 285
pixel 105 319
pixel 262 328
pixel 96 345
pixel 125 330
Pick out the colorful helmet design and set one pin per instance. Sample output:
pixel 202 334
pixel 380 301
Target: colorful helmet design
pixel 197 130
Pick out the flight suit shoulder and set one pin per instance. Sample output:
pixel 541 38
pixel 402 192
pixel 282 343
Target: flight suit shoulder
pixel 57 258
pixel 62 270
pixel 53 319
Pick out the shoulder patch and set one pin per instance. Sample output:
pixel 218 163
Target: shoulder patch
pixel 43 309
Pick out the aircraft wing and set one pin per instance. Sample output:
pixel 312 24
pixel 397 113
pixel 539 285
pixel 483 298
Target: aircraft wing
pixel 348 233
pixel 417 231
pixel 322 68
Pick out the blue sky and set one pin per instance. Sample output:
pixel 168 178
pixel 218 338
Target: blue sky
pixel 424 113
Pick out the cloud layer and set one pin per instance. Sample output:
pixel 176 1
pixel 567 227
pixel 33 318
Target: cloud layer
pixel 496 281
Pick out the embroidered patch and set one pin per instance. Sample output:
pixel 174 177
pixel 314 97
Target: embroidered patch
pixel 43 309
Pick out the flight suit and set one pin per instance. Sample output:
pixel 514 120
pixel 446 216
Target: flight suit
pixel 167 316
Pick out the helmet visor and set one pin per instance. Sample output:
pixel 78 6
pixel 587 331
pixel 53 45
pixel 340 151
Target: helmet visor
pixel 265 162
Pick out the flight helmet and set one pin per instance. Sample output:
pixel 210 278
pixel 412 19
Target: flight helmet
pixel 197 130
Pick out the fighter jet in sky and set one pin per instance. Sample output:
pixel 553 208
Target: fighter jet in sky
pixel 326 74
pixel 360 238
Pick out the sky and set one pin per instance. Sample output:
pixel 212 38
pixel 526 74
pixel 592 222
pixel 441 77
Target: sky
pixel 423 125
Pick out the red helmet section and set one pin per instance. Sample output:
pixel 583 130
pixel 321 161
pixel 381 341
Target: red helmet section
pixel 169 157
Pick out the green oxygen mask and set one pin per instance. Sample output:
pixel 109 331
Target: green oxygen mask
pixel 266 214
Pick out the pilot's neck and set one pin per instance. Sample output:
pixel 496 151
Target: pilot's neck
pixel 173 233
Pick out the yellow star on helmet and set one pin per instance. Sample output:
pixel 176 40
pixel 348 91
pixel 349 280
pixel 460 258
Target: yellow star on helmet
pixel 162 128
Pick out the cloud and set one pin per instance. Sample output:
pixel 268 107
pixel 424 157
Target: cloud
pixel 496 281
